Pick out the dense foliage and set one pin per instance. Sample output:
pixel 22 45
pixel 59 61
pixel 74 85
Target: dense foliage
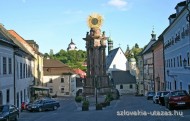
pixel 134 52
pixel 73 58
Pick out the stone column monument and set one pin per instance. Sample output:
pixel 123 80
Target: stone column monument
pixel 96 78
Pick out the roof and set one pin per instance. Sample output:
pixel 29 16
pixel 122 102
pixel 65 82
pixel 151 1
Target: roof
pixel 24 45
pixel 123 77
pixel 110 57
pixel 183 3
pixel 4 37
pixel 148 47
pixel 56 67
pixel 80 72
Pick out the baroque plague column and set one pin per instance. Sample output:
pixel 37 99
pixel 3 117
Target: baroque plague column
pixel 96 79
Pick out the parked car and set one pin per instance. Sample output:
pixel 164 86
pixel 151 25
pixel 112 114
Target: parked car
pixel 42 105
pixel 176 99
pixel 161 98
pixel 156 97
pixel 8 112
pixel 150 95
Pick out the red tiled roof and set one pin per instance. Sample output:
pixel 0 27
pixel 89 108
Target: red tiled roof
pixel 80 72
pixel 20 39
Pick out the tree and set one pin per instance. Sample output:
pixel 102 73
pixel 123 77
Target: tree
pixel 136 45
pixel 73 58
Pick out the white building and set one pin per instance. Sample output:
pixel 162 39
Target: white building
pixel 116 61
pixel 177 50
pixel 72 46
pixel 16 72
pixel 6 69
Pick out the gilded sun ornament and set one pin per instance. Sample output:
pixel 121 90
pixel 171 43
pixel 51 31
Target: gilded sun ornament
pixel 95 20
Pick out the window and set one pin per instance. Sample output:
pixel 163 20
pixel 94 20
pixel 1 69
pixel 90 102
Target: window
pixel 4 65
pixel 131 86
pixel 50 80
pixel 62 80
pixel 177 61
pixel 180 61
pixel 24 70
pixel 180 85
pixel 62 90
pixel 188 59
pixel 121 86
pixel 170 85
pixel 8 95
pixel 10 66
pixel 174 62
pixel 175 85
pixel 50 90
pixel 20 70
pixel 171 63
pixel 17 67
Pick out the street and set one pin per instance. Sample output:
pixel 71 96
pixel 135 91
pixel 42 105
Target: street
pixel 128 108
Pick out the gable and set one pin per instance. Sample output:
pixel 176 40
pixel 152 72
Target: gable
pixel 116 60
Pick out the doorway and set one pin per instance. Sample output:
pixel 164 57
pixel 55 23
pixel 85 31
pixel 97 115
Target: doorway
pixel 1 98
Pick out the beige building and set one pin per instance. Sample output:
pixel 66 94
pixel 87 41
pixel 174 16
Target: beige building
pixel 148 65
pixel 58 77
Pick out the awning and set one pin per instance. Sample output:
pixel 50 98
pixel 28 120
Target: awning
pixel 39 88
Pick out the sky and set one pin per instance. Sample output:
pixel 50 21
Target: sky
pixel 52 23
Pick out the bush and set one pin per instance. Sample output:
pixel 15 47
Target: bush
pixel 78 98
pixel 109 97
pixel 85 106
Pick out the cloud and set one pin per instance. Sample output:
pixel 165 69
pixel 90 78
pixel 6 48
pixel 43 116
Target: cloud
pixel 120 4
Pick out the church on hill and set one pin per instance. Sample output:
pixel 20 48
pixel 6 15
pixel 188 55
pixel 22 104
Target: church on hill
pixel 72 46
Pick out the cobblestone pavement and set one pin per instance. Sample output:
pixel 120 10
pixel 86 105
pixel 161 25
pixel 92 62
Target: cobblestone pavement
pixel 127 108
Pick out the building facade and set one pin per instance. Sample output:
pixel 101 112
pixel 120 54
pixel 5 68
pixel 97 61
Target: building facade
pixel 158 55
pixel 59 78
pixel 148 66
pixel 177 50
pixel 17 65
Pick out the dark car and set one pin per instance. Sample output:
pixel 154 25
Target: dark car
pixel 42 105
pixel 150 95
pixel 176 99
pixel 161 98
pixel 8 112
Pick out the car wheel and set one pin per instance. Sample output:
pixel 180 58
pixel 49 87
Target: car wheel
pixel 40 109
pixel 7 119
pixel 169 107
pixel 54 107
pixel 16 117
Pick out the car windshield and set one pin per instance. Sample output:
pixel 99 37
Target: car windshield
pixel 151 93
pixel 37 101
pixel 165 93
pixel 4 108
pixel 179 93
